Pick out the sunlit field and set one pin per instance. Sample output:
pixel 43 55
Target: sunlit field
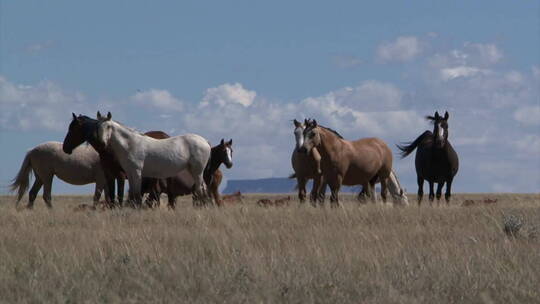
pixel 358 253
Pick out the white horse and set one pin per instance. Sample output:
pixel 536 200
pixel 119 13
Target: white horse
pixel 141 155
pixel 47 160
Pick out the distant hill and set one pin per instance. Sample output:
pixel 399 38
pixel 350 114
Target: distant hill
pixel 271 185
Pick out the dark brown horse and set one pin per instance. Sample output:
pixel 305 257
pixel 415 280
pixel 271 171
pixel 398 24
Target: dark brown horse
pixel 83 128
pixel 182 183
pixel 436 161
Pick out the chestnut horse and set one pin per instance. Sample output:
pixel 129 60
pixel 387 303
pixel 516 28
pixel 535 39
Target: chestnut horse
pixel 436 161
pixel 361 162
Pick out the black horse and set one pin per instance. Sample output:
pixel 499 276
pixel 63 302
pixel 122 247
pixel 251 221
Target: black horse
pixel 436 161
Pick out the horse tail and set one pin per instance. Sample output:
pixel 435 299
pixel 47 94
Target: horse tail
pixel 398 194
pixel 407 148
pixel 21 181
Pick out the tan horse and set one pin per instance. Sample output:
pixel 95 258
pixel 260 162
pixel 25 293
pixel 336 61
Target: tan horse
pixel 361 162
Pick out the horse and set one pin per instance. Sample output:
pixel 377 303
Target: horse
pixel 182 183
pixel 140 155
pixel 83 128
pixel 48 160
pixel 436 160
pixel 361 162
pixel 306 167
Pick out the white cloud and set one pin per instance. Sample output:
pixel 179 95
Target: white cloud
pixel 461 71
pixel 528 115
pixel 487 54
pixel 228 94
pixel 404 48
pixel 41 106
pixel 160 99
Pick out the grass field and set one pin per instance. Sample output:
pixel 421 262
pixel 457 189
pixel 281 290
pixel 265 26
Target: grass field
pixel 294 254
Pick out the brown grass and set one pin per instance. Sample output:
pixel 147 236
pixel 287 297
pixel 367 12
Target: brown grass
pixel 245 253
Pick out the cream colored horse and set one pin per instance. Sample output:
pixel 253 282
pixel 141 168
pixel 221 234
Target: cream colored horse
pixel 141 155
pixel 47 160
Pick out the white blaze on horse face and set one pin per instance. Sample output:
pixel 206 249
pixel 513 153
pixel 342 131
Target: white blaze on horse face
pixel 440 132
pixel 299 136
pixel 229 156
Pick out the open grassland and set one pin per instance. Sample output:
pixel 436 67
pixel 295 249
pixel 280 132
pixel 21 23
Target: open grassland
pixel 246 253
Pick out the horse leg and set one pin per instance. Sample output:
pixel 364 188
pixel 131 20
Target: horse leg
pixel 321 195
pixel 431 192
pixel 420 182
pixel 384 189
pixel 448 190
pixel 315 190
pixel 301 188
pixel 34 192
pixel 371 192
pixel 97 191
pixel 439 192
pixel 134 179
pixel 47 189
pixel 335 185
pixel 199 189
pixel 120 184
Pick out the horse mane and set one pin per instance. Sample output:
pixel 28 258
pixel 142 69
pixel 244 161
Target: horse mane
pixel 430 119
pixel 333 131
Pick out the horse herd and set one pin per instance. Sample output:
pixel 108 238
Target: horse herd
pixel 156 163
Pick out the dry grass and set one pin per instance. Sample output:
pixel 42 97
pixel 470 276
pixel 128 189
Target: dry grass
pixel 245 253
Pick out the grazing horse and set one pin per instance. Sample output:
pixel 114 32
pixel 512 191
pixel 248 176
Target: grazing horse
pixel 361 162
pixel 306 166
pixel 436 161
pixel 182 183
pixel 83 128
pixel 141 155
pixel 47 160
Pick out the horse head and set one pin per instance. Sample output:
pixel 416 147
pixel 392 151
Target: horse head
pixel 75 134
pixel 104 128
pixel 440 128
pixel 299 134
pixel 223 153
pixel 311 136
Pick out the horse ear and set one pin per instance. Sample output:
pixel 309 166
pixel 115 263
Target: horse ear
pixel 314 123
pixel 74 116
pixel 98 116
pixel 306 122
pixel 230 142
pixel 297 123
pixel 437 116
pixel 446 115
pixel 109 116
pixel 222 142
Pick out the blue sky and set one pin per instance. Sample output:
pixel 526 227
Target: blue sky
pixel 244 69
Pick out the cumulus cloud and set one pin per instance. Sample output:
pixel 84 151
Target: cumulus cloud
pixel 41 106
pixel 160 99
pixel 228 94
pixel 404 48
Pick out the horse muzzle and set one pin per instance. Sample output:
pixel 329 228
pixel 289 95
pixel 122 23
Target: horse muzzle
pixel 228 165
pixel 302 150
